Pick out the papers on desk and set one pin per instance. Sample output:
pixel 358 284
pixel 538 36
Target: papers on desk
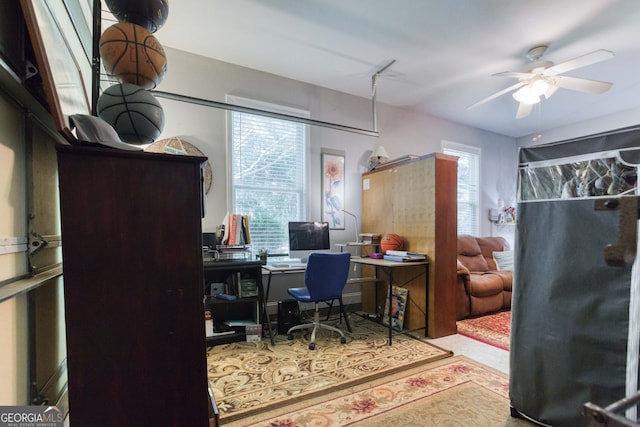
pixel 404 256
pixel 286 264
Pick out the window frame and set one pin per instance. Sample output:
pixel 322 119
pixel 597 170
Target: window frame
pixel 457 147
pixel 276 108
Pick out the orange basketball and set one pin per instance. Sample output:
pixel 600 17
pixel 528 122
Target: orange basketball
pixel 391 242
pixel 133 55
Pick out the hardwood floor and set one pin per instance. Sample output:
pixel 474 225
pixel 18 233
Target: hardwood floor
pixel 476 350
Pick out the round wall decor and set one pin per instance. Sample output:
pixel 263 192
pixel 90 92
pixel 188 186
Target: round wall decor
pixel 176 145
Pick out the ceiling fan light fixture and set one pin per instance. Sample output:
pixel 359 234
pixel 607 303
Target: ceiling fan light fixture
pixel 544 78
pixel 526 95
pixel 538 87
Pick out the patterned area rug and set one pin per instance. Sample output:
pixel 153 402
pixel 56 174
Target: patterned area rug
pixel 451 392
pixel 493 329
pixel 254 377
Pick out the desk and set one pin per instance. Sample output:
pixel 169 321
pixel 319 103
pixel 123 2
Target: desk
pixel 277 268
pixel 389 266
pixel 358 245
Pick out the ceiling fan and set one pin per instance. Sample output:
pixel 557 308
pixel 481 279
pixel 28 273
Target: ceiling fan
pixel 543 78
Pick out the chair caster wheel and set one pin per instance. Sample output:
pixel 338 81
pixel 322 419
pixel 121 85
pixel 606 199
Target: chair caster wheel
pixel 312 346
pixel 343 340
pixel 290 337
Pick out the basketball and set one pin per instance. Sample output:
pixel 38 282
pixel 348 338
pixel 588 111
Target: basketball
pixel 133 55
pixel 391 242
pixel 134 113
pixel 150 14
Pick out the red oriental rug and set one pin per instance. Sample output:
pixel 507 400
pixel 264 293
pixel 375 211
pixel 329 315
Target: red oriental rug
pixel 493 329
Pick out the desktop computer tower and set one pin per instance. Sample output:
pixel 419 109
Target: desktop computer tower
pixel 288 315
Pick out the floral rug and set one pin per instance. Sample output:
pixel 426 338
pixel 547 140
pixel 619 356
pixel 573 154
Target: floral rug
pixel 250 377
pixel 451 392
pixel 493 329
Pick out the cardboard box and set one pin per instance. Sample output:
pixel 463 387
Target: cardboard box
pixel 254 333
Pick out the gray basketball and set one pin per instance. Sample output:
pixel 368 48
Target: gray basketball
pixel 134 113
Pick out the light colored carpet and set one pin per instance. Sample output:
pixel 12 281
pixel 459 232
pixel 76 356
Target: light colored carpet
pixel 254 377
pixel 451 392
pixel 493 329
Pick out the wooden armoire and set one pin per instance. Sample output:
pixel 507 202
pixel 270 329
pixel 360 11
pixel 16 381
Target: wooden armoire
pixel 417 199
pixel 133 285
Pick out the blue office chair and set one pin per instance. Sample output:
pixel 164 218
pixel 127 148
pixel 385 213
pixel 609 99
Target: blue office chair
pixel 325 278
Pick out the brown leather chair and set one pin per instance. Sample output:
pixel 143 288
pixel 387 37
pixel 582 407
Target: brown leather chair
pixel 481 287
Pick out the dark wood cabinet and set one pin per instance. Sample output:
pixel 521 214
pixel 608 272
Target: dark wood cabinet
pixel 133 284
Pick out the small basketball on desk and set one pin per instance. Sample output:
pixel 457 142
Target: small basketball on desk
pixel 391 242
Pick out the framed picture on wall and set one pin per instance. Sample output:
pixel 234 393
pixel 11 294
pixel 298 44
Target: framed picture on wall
pixel 333 188
pixel 64 73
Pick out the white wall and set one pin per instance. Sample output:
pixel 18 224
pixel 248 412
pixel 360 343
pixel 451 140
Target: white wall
pixel 402 131
pixel 618 120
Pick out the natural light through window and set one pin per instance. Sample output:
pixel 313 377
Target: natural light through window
pixel 268 173
pixel 468 186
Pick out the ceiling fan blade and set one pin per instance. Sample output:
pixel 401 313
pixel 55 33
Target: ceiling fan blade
pixel 497 94
pixel 580 61
pixel 582 85
pixel 550 91
pixel 515 74
pixel 524 110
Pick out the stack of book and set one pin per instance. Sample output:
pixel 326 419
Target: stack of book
pixel 370 238
pixel 404 256
pixel 234 230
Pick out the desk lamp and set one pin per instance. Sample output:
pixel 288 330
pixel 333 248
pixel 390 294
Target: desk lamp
pixel 356 219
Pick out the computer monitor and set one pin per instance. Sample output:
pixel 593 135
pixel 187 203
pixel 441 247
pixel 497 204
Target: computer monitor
pixel 306 237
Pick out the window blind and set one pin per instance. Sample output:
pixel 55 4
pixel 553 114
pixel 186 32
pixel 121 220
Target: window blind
pixel 268 176
pixel 468 187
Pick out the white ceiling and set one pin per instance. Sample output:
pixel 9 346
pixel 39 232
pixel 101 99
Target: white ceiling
pixel 445 50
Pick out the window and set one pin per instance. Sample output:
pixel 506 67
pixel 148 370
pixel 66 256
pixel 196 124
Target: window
pixel 468 186
pixel 268 173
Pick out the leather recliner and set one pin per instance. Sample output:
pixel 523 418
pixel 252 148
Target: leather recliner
pixel 481 287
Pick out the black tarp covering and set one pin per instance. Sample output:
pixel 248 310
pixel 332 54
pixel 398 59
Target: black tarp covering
pixel 570 310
